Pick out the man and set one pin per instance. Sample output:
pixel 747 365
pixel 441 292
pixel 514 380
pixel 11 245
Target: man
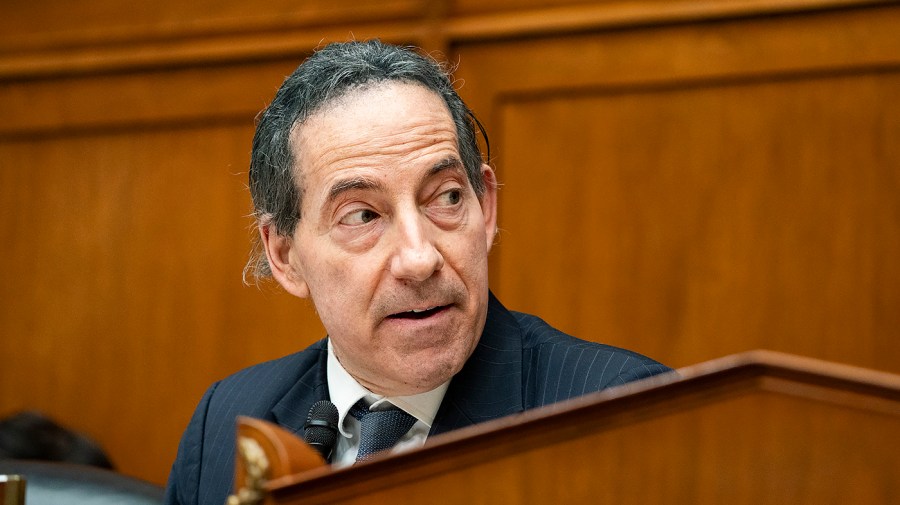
pixel 373 200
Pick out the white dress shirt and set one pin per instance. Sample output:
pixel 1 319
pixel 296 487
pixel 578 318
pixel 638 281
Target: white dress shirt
pixel 345 391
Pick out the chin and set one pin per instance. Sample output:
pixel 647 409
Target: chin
pixel 426 378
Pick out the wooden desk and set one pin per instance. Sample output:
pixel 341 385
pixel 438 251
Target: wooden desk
pixel 758 427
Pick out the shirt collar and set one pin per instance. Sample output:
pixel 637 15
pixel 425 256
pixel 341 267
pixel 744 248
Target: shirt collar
pixel 345 391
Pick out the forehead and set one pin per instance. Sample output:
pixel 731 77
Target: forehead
pixel 388 126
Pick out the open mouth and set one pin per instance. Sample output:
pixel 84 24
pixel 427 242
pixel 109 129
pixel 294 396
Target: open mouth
pixel 418 314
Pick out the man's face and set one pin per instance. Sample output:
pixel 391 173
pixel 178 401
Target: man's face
pixel 392 244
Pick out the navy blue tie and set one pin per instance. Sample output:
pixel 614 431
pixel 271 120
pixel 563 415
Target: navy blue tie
pixel 379 430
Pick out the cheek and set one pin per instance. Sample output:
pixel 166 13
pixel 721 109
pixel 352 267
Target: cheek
pixel 323 264
pixel 322 277
pixel 472 253
pixel 339 290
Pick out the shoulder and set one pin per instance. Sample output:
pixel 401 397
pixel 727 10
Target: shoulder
pixel 269 380
pixel 559 366
pixel 255 390
pixel 538 334
pixel 202 469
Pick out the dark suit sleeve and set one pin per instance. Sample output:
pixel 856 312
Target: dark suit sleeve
pixel 557 366
pixel 641 370
pixel 184 479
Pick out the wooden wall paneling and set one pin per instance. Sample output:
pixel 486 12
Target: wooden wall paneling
pixel 690 191
pixel 109 101
pixel 127 300
pixel 193 52
pixel 689 247
pixel 44 24
pixel 643 51
pixel 504 19
pixel 125 227
pixel 112 37
pixel 126 133
pixel 123 156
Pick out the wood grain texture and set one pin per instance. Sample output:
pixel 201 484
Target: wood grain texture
pixel 127 301
pixel 756 428
pixel 515 18
pixel 701 222
pixel 691 192
pixel 44 23
pixel 742 185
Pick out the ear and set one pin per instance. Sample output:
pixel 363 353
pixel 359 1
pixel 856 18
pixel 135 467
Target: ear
pixel 278 253
pixel 489 204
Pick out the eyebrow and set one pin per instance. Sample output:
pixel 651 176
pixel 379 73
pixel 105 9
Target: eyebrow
pixel 364 183
pixel 444 164
pixel 350 185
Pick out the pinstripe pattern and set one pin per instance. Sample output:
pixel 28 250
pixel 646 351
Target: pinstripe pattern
pixel 520 363
pixel 281 391
pixel 523 363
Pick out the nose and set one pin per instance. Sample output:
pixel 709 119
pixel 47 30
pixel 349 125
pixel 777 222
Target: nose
pixel 416 258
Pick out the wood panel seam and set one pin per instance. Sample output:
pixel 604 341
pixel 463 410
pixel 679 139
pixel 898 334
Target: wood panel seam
pixel 229 42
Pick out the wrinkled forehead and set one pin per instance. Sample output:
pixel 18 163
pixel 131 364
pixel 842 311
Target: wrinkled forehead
pixel 380 119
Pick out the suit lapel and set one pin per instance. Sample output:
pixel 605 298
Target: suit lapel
pixel 490 384
pixel 292 410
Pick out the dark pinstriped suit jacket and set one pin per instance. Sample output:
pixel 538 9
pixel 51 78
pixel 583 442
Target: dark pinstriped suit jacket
pixel 520 363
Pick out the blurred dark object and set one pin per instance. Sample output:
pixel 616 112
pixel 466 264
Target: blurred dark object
pixel 34 436
pixel 64 483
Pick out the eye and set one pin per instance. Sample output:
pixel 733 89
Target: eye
pixel 450 197
pixel 359 217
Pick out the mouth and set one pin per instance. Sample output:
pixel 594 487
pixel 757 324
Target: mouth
pixel 419 313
